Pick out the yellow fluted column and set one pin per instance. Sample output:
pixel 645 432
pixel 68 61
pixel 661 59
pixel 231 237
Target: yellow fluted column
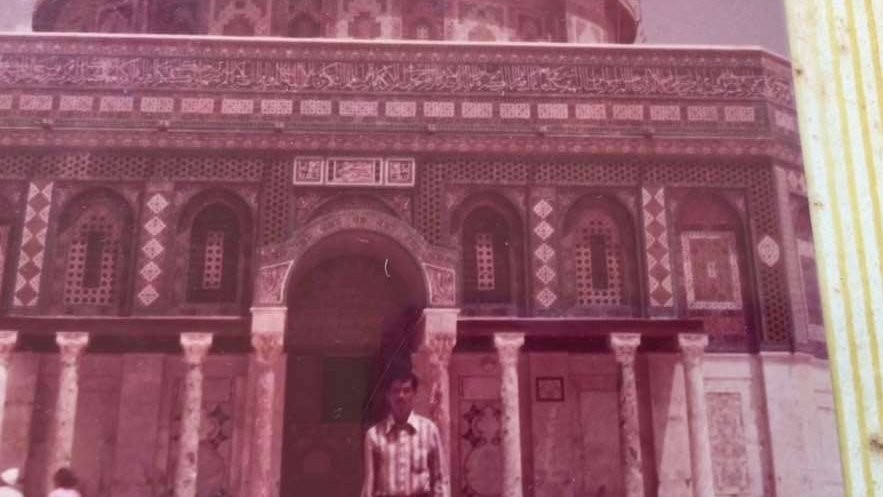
pixel 838 66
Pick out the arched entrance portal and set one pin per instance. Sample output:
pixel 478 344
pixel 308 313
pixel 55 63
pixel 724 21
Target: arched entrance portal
pixel 353 303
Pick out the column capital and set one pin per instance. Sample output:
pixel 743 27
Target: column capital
pixel 8 341
pixel 196 347
pixel 268 345
pixel 692 345
pixel 508 345
pixel 624 346
pixel 71 344
pixel 268 319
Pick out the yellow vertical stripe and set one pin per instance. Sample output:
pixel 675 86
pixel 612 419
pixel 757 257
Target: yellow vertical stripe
pixel 837 51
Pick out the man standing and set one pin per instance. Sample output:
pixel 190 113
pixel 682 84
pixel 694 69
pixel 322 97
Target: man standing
pixel 403 453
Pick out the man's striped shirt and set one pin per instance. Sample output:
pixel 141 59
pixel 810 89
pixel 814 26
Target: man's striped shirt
pixel 403 459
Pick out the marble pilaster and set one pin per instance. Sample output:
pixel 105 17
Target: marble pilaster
pixel 624 346
pixel 692 349
pixel 439 328
pixel 71 345
pixel 508 347
pixel 8 340
pixel 196 347
pixel 267 338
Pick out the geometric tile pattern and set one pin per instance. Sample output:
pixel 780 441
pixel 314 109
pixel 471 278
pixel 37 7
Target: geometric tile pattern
pixel 711 270
pixel 768 251
pixel 33 243
pixel 544 253
pixel 154 229
pixel 657 251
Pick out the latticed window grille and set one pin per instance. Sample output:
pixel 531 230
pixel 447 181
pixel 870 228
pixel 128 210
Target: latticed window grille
pixel 93 258
pixel 213 268
pixel 484 261
pixel 213 263
pixel 486 258
pixel 598 257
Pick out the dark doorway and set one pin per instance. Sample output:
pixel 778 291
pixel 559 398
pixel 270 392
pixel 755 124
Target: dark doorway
pixel 351 320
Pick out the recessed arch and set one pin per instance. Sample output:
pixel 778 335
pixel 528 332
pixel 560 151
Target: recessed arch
pixel 713 267
pixel 278 263
pixel 95 239
pixel 214 240
pixel 600 263
pixel 488 228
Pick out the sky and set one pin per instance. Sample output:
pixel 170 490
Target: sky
pixel 691 22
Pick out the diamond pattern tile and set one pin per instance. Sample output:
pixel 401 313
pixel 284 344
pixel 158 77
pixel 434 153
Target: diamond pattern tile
pixel 154 239
pixel 152 249
pixel 546 298
pixel 544 230
pixel 148 295
pixel 544 253
pixel 543 208
pixel 157 203
pixel 657 251
pixel 545 274
pixel 150 271
pixel 33 244
pixel 155 226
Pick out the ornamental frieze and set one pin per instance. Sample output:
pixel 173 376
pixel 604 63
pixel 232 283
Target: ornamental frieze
pixel 378 68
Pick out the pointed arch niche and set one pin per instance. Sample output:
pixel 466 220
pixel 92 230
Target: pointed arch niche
pixel 488 229
pixel 715 279
pixel 215 226
pixel 600 263
pixel 94 253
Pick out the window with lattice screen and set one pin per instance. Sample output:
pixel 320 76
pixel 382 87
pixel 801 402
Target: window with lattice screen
pixel 94 257
pixel 598 261
pixel 486 258
pixel 213 267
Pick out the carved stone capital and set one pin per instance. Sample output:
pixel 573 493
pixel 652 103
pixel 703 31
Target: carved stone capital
pixel 196 346
pixel 692 346
pixel 268 345
pixel 268 319
pixel 624 346
pixel 71 344
pixel 508 346
pixel 8 340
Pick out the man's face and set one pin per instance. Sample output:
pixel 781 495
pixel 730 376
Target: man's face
pixel 400 397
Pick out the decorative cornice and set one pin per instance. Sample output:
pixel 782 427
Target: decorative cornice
pixel 408 143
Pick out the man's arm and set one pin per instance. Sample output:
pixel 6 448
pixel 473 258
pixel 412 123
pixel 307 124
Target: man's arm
pixel 368 456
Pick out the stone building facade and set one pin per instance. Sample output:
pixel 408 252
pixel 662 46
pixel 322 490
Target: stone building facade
pixel 597 258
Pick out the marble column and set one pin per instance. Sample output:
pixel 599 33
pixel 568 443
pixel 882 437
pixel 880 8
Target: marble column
pixel 71 344
pixel 8 339
pixel 196 346
pixel 439 328
pixel 508 349
pixel 692 348
pixel 624 346
pixel 268 349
